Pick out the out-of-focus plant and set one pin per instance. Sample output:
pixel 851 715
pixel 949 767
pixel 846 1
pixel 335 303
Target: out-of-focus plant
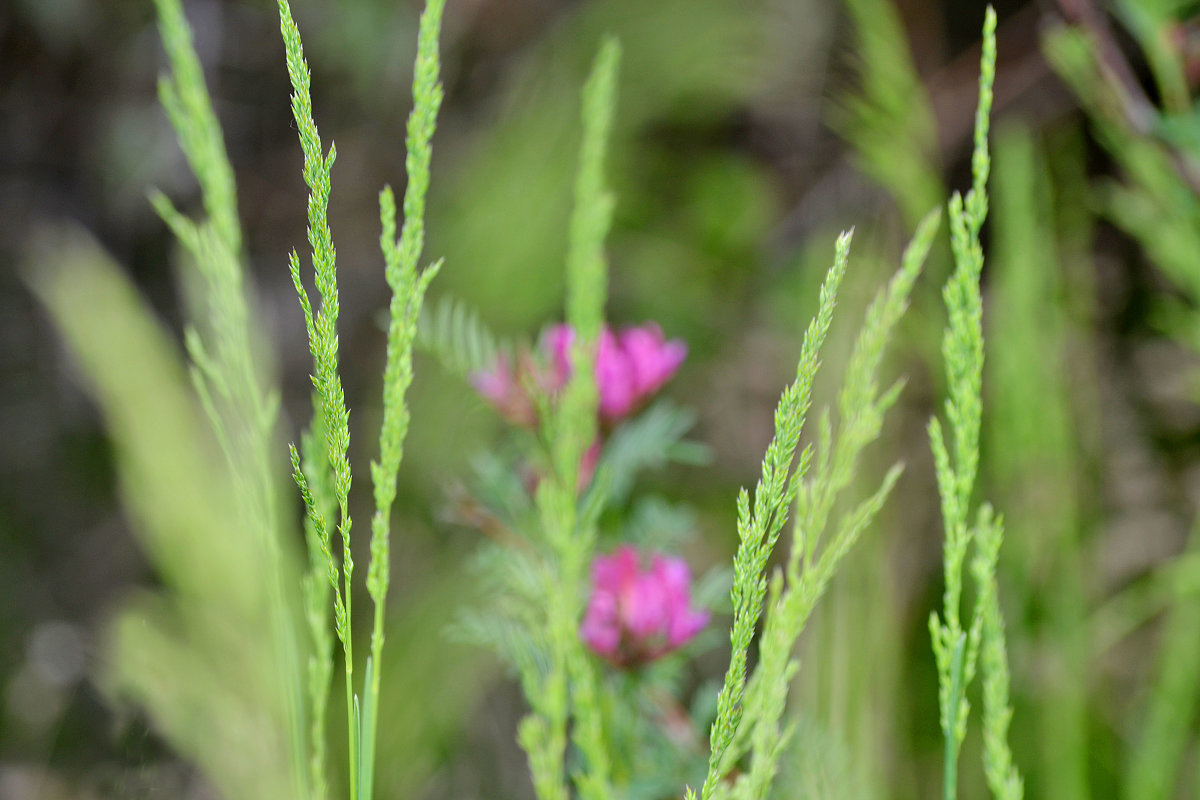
pixel 889 120
pixel 1157 202
pixel 549 534
pixel 198 655
pixel 1035 452
pixel 214 527
pixel 633 619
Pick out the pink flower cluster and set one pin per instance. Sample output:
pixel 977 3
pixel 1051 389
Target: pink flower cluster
pixel 636 615
pixel 630 367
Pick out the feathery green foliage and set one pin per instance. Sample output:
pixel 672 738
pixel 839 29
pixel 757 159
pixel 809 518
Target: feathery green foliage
pixel 572 682
pixel 648 441
pixel 453 333
pixel 957 650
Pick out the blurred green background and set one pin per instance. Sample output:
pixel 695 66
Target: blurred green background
pixel 748 133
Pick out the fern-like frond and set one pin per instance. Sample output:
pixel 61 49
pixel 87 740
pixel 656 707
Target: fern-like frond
pixel 459 339
pixel 648 441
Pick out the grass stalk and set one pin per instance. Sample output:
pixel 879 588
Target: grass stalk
pixel 408 293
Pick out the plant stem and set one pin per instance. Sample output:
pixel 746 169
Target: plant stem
pixel 950 732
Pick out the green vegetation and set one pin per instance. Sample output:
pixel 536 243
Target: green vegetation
pixel 560 514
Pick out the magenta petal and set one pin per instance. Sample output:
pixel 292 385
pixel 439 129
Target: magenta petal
pixel 644 607
pixel 641 347
pixel 684 627
pixel 559 340
pixel 630 367
pixel 610 573
pixel 670 357
pixel 673 573
pixel 614 378
pixel 652 360
pixel 494 384
pixel 635 615
pixel 500 386
pixel 601 630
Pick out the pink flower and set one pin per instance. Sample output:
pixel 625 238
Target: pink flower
pixel 635 616
pixel 652 360
pixel 631 366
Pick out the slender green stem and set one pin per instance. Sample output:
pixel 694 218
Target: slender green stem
pixel 949 732
pixel 351 701
pixel 408 294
